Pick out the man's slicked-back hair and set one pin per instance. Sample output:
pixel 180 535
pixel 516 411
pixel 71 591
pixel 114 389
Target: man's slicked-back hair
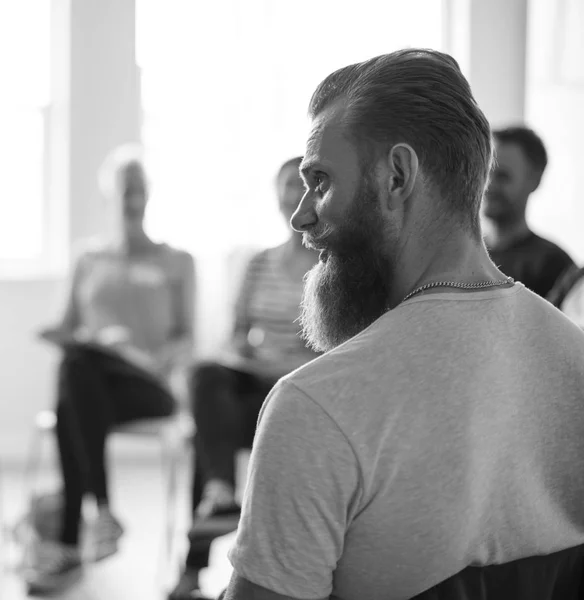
pixel 530 143
pixel 419 97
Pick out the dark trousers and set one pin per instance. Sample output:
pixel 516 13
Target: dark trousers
pixel 96 391
pixel 226 404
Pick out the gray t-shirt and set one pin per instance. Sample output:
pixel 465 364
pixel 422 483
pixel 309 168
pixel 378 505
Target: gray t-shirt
pixel 449 433
pixel 143 294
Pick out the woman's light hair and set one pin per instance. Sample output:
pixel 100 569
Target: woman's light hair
pixel 115 164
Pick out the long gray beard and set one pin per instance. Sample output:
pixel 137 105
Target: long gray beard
pixel 342 298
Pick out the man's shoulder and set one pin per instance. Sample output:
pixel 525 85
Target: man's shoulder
pixel 385 350
pixel 547 320
pixel 343 371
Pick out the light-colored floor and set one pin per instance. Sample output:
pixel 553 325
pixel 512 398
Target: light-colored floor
pixel 138 499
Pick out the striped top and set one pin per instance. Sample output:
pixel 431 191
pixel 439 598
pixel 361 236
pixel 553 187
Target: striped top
pixel 267 309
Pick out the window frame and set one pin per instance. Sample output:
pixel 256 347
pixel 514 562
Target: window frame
pixel 51 260
pixel 44 264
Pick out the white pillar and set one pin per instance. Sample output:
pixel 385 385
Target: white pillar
pixel 94 106
pixel 497 58
pixel 104 101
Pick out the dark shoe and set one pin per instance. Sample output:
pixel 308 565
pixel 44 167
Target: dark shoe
pixel 187 587
pixel 55 568
pixel 104 536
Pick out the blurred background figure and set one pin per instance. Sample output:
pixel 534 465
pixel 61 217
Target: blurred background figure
pixel 568 295
pixel 521 159
pixel 127 324
pixel 227 394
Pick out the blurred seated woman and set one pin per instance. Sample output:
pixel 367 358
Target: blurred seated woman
pixel 227 394
pixel 127 324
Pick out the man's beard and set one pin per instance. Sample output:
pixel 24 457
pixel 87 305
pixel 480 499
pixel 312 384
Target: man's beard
pixel 349 290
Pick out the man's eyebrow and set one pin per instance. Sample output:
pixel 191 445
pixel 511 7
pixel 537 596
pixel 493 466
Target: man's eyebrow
pixel 307 166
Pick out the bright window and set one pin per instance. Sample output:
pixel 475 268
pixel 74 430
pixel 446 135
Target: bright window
pixel 24 105
pixel 225 89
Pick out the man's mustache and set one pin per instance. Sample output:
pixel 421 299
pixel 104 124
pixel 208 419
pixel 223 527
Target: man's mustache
pixel 318 238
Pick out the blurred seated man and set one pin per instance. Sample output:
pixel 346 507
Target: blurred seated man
pixel 128 322
pixel 521 160
pixel 228 394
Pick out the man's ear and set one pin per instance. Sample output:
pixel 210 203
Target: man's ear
pixel 402 164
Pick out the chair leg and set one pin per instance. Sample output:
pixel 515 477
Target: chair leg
pixel 33 464
pixel 31 478
pixel 173 453
pixel 171 504
pixel 170 455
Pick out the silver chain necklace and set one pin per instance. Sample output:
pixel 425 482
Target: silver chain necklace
pixel 463 286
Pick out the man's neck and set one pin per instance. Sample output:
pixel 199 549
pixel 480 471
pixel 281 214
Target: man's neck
pixel 500 236
pixel 458 257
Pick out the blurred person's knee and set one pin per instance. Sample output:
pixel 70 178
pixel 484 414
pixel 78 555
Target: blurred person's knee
pixel 75 371
pixel 206 379
pixel 75 363
pixel 74 360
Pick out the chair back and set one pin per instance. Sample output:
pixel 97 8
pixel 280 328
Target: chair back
pixel 556 576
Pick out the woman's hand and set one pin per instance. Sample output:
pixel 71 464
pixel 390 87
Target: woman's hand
pixel 60 335
pixel 118 339
pixel 137 357
pixel 55 335
pixel 175 353
pixel 113 336
pixel 240 346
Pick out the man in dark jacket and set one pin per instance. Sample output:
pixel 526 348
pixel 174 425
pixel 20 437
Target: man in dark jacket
pixel 521 160
pixel 568 294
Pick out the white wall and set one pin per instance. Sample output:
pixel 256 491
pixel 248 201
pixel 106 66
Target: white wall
pixel 555 97
pixel 100 109
pixel 226 91
pixel 497 58
pixel 525 65
pixel 26 383
pixel 96 107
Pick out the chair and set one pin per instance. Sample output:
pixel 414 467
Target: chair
pixel 172 432
pixel 554 576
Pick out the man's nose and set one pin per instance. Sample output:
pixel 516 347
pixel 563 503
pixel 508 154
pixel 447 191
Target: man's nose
pixel 304 216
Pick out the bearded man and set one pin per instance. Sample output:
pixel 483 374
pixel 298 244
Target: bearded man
pixel 435 450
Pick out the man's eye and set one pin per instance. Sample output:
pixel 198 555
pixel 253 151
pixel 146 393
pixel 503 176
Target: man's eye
pixel 319 183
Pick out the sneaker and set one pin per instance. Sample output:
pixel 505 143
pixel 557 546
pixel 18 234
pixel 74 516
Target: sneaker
pixel 55 567
pixel 217 497
pixel 104 536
